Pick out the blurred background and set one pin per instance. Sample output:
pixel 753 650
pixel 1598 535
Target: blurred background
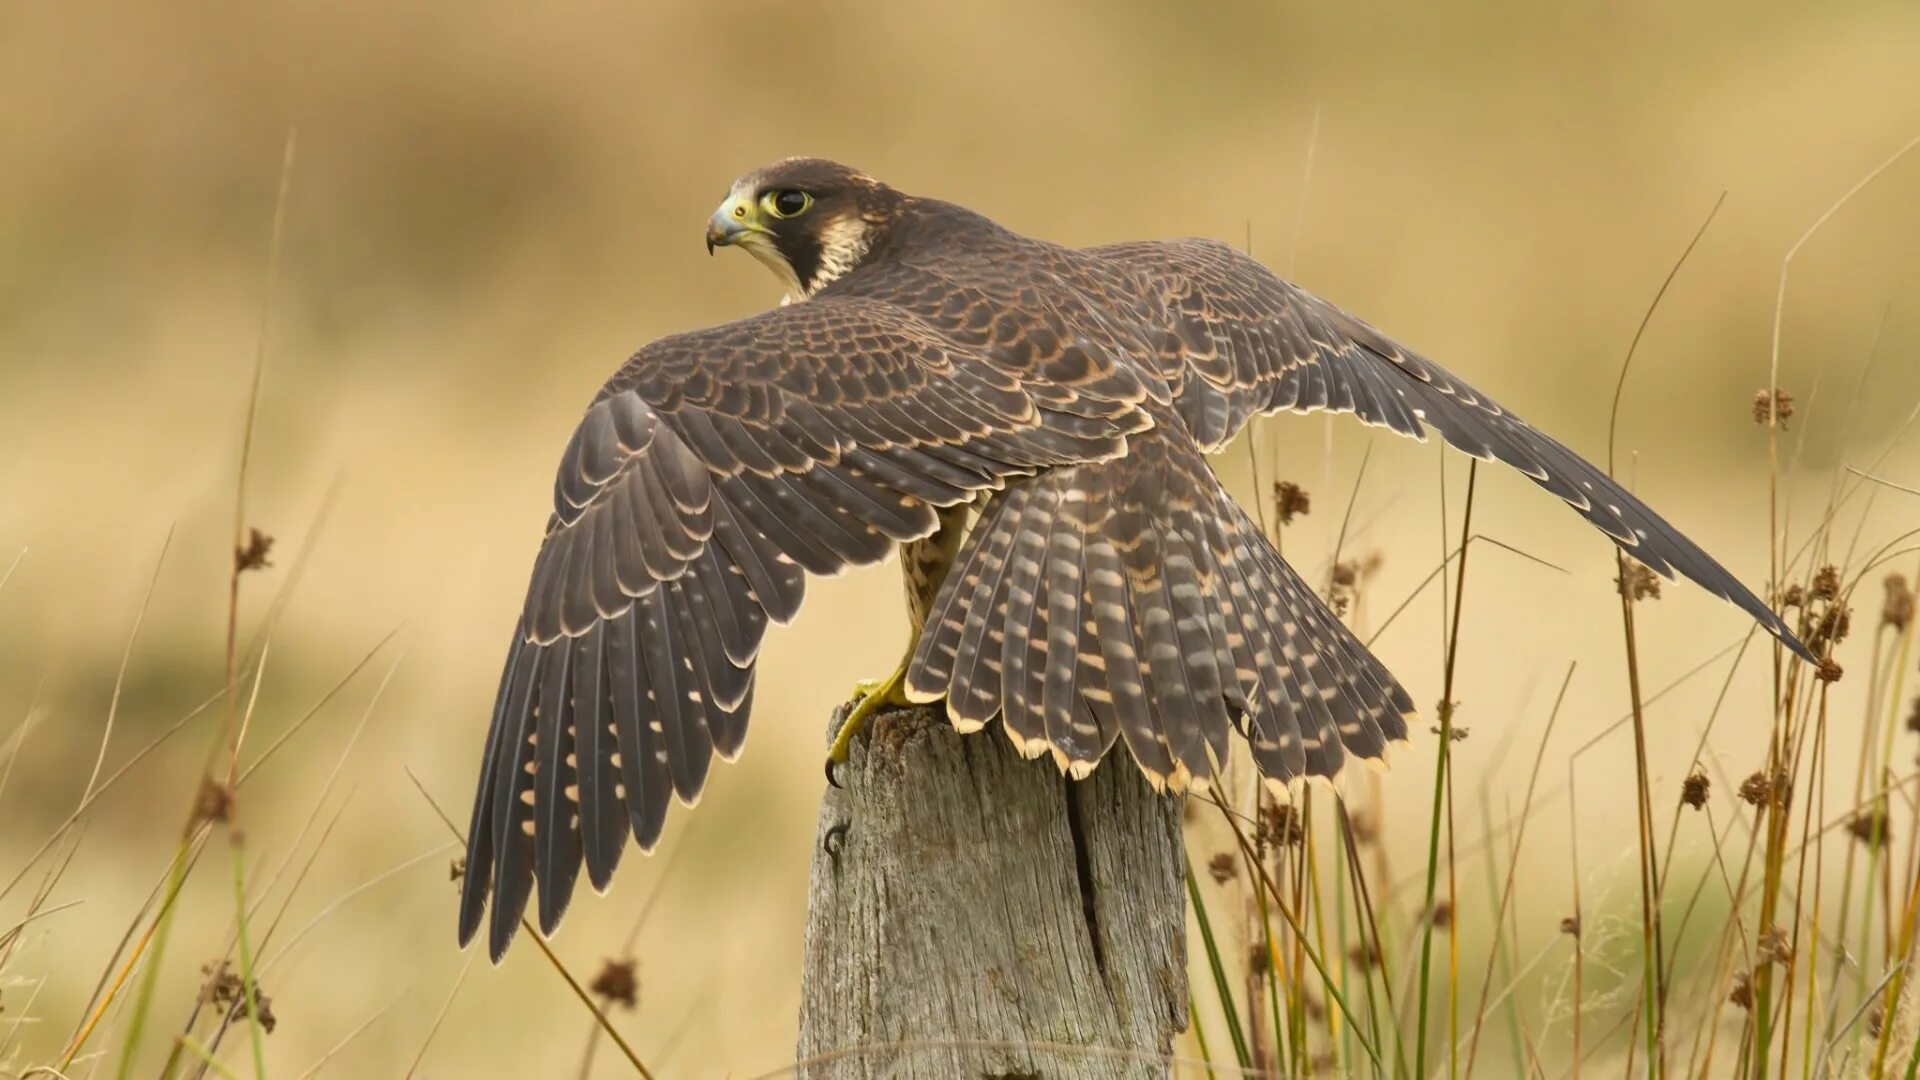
pixel 492 205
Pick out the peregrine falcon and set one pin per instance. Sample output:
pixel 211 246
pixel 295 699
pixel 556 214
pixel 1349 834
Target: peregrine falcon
pixel 926 369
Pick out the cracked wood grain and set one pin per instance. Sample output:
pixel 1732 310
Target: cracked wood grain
pixel 975 914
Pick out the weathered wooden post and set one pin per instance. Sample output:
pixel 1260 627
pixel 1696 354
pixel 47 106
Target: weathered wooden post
pixel 973 914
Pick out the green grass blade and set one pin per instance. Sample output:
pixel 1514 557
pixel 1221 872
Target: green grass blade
pixel 1220 983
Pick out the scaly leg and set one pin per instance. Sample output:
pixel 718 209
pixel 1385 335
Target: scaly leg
pixel 873 696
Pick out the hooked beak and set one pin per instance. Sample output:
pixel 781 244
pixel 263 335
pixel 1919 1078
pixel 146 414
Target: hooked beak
pixel 732 223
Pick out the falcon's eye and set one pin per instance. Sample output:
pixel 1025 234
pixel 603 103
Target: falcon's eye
pixel 786 202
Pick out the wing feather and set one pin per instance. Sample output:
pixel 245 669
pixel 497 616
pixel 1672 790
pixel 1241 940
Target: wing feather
pixel 1070 730
pixel 1021 612
pixel 645 777
pixel 603 823
pixel 975 580
pixel 512 824
pixel 678 705
pixel 556 835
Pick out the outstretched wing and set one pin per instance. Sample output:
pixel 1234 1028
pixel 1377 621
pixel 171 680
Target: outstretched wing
pixel 708 477
pixel 1241 341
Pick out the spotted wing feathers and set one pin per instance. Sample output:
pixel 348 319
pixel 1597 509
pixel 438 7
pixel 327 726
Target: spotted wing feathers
pixel 710 476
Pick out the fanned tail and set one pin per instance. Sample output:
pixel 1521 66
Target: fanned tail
pixel 1135 601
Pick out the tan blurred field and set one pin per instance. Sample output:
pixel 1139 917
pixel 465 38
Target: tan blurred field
pixel 492 205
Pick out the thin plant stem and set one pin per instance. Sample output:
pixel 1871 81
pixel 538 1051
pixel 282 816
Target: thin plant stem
pixel 120 677
pixel 1652 938
pixel 250 992
pixel 1513 860
pixel 206 1057
pixel 1620 387
pixel 1199 1035
pixel 1440 779
pixel 347 1039
pixel 440 1017
pixel 1370 944
pixel 1220 983
pixel 1649 872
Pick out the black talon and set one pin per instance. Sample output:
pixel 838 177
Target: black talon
pixel 834 842
pixel 832 781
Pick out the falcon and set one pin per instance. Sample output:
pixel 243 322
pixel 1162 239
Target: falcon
pixel 1029 425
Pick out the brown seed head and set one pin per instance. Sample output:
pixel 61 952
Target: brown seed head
pixel 1223 868
pixel 1637 582
pixel 213 803
pixel 1742 994
pixel 252 555
pixel 1279 826
pixel 1826 583
pixel 224 990
pixel 1364 956
pixel 1870 827
pixel 222 986
pixel 1442 916
pixel 1775 946
pixel 1830 671
pixel 618 983
pixel 1897 611
pixel 1344 582
pixel 1833 628
pixel 1570 925
pixel 1755 790
pixel 1290 500
pixel 1693 790
pixel 1770 405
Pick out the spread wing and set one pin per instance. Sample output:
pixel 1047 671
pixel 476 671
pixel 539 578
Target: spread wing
pixel 1241 341
pixel 710 475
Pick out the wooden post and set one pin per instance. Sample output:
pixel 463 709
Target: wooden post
pixel 973 914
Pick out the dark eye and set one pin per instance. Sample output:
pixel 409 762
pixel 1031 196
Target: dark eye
pixel 787 202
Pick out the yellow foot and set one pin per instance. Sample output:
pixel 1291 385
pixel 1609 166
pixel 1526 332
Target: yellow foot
pixel 870 697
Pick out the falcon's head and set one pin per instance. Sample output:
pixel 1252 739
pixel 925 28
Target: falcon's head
pixel 809 220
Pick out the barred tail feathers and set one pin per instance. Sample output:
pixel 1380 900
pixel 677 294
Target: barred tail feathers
pixel 1134 601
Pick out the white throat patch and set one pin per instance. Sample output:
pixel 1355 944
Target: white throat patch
pixel 843 243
